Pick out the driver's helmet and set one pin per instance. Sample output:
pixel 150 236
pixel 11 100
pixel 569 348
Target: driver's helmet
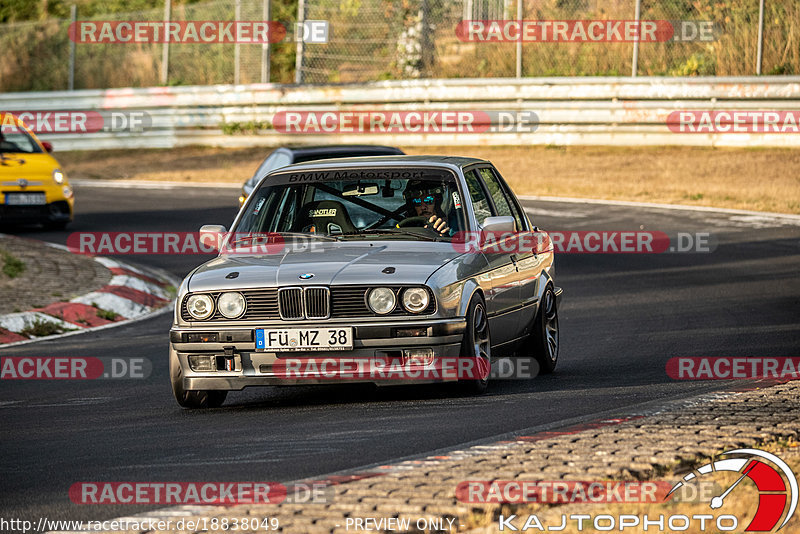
pixel 418 191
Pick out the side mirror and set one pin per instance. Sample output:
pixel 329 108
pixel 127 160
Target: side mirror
pixel 47 146
pixel 212 236
pixel 505 224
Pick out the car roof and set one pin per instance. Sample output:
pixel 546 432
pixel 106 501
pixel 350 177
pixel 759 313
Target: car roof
pixel 321 151
pixel 452 162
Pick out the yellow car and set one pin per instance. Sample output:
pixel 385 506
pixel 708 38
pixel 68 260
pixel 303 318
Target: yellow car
pixel 33 187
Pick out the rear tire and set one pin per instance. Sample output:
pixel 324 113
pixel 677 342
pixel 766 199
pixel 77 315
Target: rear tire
pixel 192 399
pixel 477 345
pixel 545 336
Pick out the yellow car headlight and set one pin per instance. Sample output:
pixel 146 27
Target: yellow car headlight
pixel 58 176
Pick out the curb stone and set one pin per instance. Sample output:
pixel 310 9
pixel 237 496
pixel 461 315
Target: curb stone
pixel 132 293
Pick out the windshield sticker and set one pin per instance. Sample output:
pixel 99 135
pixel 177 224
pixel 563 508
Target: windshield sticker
pixel 367 174
pixel 258 206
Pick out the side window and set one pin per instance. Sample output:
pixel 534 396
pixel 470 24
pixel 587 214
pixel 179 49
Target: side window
pixel 505 206
pixel 479 202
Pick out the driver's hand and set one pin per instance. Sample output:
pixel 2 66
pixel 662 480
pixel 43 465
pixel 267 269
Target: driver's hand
pixel 438 224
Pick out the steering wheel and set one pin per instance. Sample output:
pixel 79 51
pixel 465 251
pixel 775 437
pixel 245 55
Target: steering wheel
pixel 418 220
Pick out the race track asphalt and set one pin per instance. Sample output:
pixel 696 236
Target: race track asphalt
pixel 623 316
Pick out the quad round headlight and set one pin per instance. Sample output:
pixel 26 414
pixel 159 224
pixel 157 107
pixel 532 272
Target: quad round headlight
pixel 231 305
pixel 200 306
pixel 415 299
pixel 58 176
pixel 381 300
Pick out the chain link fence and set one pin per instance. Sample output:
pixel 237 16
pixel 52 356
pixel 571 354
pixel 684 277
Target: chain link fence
pixel 404 39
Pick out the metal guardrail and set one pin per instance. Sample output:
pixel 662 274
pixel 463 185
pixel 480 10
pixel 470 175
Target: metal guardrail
pixel 571 111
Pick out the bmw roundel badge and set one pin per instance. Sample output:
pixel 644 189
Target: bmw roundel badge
pixel 306 276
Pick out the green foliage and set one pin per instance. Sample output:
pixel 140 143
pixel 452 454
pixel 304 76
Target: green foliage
pixel 698 64
pixel 43 327
pixel 105 314
pixel 12 266
pixel 250 127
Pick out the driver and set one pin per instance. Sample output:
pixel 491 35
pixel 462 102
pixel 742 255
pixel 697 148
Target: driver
pixel 424 199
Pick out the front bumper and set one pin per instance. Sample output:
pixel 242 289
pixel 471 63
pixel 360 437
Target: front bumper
pixel 238 364
pixel 54 212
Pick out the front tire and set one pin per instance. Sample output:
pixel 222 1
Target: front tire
pixel 477 345
pixel 545 336
pixel 192 399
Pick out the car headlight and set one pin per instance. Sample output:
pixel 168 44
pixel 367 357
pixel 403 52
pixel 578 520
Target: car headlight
pixel 381 300
pixel 200 306
pixel 415 299
pixel 67 190
pixel 231 305
pixel 58 176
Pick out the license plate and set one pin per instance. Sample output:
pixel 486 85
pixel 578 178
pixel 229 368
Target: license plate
pixel 25 199
pixel 297 339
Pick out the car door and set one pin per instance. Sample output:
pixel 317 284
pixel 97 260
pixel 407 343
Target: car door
pixel 528 264
pixel 502 302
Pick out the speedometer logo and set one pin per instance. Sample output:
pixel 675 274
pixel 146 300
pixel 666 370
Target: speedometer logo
pixel 775 481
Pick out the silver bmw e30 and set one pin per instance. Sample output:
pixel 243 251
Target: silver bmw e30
pixel 391 269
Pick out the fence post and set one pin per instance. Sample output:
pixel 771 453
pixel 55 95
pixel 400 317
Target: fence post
pixel 237 15
pixel 73 15
pixel 635 59
pixel 265 47
pixel 519 40
pixel 298 60
pixel 760 36
pixel 165 49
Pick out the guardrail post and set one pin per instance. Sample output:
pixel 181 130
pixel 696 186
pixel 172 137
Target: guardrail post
pixel 165 49
pixel 760 36
pixel 635 58
pixel 73 15
pixel 265 47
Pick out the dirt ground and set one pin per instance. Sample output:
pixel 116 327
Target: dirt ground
pixel 754 179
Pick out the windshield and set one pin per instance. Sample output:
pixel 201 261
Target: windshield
pixel 17 140
pixel 351 204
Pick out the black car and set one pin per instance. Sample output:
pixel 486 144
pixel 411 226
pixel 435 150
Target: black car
pixel 283 156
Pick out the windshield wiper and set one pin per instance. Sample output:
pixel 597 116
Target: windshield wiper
pixel 396 231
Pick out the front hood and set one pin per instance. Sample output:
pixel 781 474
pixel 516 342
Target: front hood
pixel 340 263
pixel 32 167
